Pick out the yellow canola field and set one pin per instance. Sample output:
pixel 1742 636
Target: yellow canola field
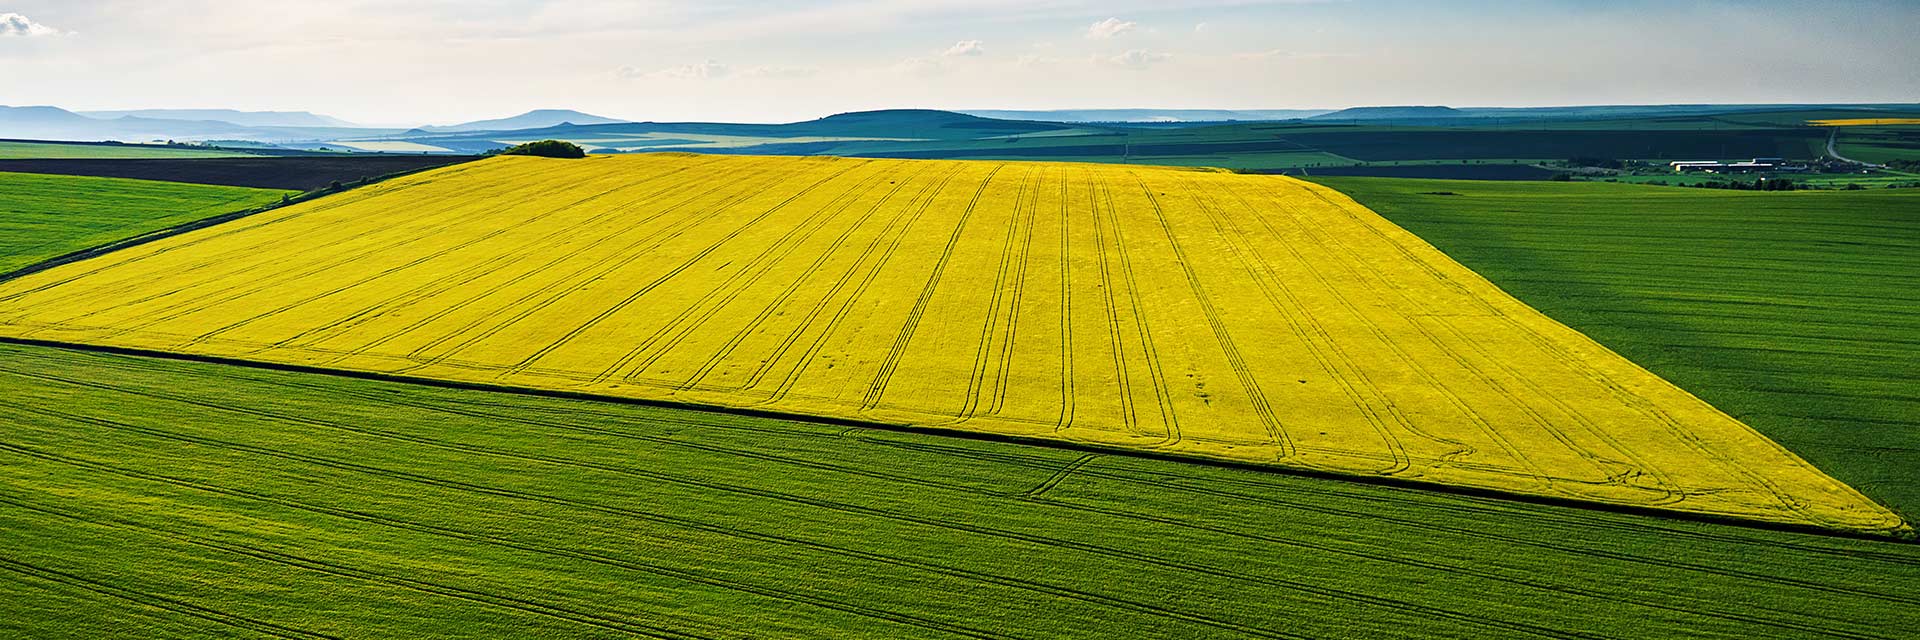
pixel 1249 318
pixel 1864 122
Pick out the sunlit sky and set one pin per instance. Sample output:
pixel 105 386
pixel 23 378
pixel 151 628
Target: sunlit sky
pixel 443 61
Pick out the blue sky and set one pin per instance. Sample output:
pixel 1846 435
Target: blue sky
pixel 437 61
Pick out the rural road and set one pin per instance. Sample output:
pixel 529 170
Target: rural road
pixel 1834 150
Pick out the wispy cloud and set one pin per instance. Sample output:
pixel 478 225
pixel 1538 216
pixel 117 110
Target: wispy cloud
pixel 964 48
pixel 1109 28
pixel 777 71
pixel 1283 54
pixel 706 70
pixel 1135 59
pixel 14 24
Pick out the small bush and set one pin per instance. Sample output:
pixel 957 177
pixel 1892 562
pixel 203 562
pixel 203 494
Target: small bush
pixel 547 149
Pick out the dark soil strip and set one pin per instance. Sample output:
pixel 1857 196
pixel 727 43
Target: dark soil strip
pixel 301 173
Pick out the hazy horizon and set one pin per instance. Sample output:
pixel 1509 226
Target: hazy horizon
pixel 441 62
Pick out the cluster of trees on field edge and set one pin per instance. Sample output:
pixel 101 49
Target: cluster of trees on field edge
pixel 542 148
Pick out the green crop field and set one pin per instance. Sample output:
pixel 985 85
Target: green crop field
pixel 158 498
pixel 42 216
pixel 56 151
pixel 1794 311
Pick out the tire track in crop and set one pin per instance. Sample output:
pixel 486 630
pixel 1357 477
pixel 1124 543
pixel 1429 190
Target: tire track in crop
pixel 467 272
pixel 156 601
pixel 1712 610
pixel 1709 611
pixel 1129 417
pixel 1183 484
pixel 188 304
pixel 1641 403
pixel 1343 358
pixel 636 250
pixel 637 566
pixel 1310 332
pixel 1018 297
pixel 1276 431
pixel 1066 309
pixel 898 350
pixel 717 297
pixel 1665 485
pixel 1059 476
pixel 575 332
pixel 679 522
pixel 426 218
pixel 1139 311
pixel 963 527
pixel 787 382
pixel 1461 449
pixel 437 286
pixel 448 309
pixel 238 226
pixel 869 511
pixel 611 183
pixel 779 300
pixel 344 571
pixel 983 347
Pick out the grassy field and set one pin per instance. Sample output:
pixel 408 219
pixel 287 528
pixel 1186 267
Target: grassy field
pixel 43 216
pixel 164 499
pixel 1880 144
pixel 51 150
pixel 1151 308
pixel 1865 122
pixel 1795 312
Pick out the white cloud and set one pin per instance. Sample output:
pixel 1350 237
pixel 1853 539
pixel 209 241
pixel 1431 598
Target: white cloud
pixel 14 24
pixel 1109 27
pixel 1283 54
pixel 964 48
pixel 707 70
pixel 1135 59
pixel 1200 28
pixel 776 71
pixel 712 70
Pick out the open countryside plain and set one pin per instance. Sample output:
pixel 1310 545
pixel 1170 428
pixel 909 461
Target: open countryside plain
pixel 1115 306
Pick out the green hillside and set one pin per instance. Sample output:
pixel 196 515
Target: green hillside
pixel 42 216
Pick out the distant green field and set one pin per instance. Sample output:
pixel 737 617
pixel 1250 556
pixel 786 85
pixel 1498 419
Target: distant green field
pixel 55 151
pixel 1880 144
pixel 157 498
pixel 1875 180
pixel 1796 312
pixel 42 216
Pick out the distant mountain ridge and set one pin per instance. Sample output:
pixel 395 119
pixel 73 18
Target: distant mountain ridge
pixel 1391 113
pixel 535 119
pixel 230 116
pixel 1146 115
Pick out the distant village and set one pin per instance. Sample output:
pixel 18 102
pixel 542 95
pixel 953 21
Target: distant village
pixel 1766 165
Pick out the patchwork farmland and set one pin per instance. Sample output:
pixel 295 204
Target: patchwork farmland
pixel 1114 307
